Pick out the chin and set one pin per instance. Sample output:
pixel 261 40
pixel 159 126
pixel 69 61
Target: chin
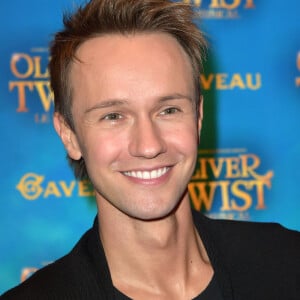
pixel 153 214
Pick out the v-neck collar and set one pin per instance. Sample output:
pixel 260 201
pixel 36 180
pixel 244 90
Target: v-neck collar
pixel 101 269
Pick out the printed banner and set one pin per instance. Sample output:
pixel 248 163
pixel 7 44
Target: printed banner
pixel 249 154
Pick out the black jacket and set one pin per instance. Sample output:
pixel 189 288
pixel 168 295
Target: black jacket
pixel 252 261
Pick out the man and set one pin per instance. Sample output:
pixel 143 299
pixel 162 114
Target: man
pixel 128 109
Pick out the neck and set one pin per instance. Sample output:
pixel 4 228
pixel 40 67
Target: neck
pixel 153 255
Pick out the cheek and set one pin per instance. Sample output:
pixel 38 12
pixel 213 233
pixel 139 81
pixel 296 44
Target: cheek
pixel 184 138
pixel 102 149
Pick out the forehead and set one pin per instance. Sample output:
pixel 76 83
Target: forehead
pixel 130 62
pixel 144 43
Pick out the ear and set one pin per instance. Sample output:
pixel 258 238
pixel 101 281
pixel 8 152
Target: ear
pixel 67 135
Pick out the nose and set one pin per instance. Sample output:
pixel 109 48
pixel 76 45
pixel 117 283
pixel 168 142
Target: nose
pixel 146 139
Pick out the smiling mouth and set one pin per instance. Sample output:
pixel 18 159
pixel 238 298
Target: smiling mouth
pixel 154 174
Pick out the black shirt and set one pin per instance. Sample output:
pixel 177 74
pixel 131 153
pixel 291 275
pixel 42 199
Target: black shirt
pixel 251 261
pixel 212 291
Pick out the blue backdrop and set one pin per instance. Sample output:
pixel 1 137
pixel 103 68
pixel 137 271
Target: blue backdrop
pixel 249 156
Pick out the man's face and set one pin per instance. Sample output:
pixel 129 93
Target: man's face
pixel 135 126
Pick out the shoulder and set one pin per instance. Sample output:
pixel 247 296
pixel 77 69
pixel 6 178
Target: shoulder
pixel 44 282
pixel 261 255
pixel 250 235
pixel 268 246
pixel 264 255
pixel 57 280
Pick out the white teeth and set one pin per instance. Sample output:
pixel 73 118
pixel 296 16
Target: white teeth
pixel 147 174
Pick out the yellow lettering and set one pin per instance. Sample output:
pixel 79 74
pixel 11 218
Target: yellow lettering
pixel 29 65
pixel 237 194
pixel 237 81
pixel 250 84
pixel 260 193
pixel 85 188
pixel 224 82
pixel 249 4
pixel 217 4
pixel 216 166
pixel 224 4
pixel 225 195
pixel 232 167
pixel 21 86
pixel 221 81
pixel 47 96
pixel 67 189
pixel 202 172
pixel 236 191
pixel 248 168
pixel 214 4
pixel 38 73
pixel 194 2
pixel 202 195
pixel 52 189
pixel 206 82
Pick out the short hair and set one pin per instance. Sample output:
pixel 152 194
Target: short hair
pixel 99 17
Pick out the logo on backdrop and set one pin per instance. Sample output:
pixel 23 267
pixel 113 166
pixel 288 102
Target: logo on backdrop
pixel 225 81
pixel 30 83
pixel 34 186
pixel 220 9
pixel 228 183
pixel 298 67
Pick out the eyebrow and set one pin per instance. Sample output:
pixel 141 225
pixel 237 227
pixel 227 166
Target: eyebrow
pixel 175 96
pixel 106 103
pixel 120 102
